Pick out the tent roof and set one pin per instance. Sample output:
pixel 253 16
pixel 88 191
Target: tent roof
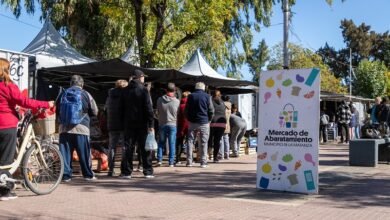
pixel 330 96
pixel 51 50
pixel 197 66
pixel 110 70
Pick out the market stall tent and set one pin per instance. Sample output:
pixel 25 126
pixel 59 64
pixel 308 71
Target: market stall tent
pixel 51 50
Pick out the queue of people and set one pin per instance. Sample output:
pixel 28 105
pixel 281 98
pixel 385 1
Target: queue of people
pixel 212 120
pixel 197 120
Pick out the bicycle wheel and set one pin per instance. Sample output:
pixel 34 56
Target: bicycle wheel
pixel 40 179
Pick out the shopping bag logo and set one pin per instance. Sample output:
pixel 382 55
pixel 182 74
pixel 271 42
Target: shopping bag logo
pixel 288 117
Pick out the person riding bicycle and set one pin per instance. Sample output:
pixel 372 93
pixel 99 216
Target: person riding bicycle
pixel 10 97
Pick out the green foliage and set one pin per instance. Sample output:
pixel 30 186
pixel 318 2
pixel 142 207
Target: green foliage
pixel 365 44
pixel 16 6
pixel 257 59
pixel 371 79
pixel 164 33
pixel 388 83
pixel 304 58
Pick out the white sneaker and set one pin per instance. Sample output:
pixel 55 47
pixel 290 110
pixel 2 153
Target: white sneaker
pixel 67 180
pixel 203 166
pixel 8 196
pixel 149 176
pixel 171 165
pixel 90 178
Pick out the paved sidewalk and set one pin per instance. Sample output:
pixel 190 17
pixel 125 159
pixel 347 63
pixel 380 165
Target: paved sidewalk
pixel 221 191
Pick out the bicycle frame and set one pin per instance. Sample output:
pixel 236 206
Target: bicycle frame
pixel 29 137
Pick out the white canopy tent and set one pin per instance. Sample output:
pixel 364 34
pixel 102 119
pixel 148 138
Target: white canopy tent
pixel 51 50
pixel 197 66
pixel 131 55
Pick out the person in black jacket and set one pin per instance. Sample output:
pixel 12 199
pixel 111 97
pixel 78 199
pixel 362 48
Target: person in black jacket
pixel 114 121
pixel 383 116
pixel 343 118
pixel 138 120
pixel 217 125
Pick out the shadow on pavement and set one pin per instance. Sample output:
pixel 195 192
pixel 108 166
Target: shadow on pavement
pixel 355 191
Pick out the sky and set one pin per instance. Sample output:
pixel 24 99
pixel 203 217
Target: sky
pixel 313 24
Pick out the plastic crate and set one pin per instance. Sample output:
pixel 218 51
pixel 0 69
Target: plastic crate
pixel 45 126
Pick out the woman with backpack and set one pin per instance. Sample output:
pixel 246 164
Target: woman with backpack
pixel 10 97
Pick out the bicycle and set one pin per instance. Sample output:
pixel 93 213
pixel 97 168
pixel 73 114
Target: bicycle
pixel 42 165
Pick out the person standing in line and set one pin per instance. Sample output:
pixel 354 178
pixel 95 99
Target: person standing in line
pixel 217 125
pixel 138 120
pixel 235 111
pixel 324 121
pixel 199 111
pixel 374 110
pixel 343 118
pixel 182 126
pixel 167 107
pixel 10 97
pixel 383 115
pixel 75 106
pixel 238 129
pixel 224 151
pixel 114 121
pixel 354 124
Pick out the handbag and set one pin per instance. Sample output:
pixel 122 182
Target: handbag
pixel 150 144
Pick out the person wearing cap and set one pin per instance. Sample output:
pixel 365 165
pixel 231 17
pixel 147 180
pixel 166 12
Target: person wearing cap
pixel 167 108
pixel 137 111
pixel 77 136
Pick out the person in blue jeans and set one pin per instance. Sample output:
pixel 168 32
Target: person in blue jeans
pixel 167 108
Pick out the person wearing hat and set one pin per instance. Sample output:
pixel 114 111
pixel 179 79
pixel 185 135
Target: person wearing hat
pixel 137 111
pixel 76 135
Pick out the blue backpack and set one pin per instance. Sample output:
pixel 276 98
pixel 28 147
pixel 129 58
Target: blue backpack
pixel 71 107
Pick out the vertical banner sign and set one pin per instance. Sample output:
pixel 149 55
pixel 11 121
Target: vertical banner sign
pixel 289 108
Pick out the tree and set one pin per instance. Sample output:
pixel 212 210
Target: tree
pixel 164 32
pixel 371 79
pixel 364 43
pixel 304 58
pixel 388 83
pixel 337 60
pixel 257 59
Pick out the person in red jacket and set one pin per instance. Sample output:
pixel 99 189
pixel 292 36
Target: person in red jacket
pixel 10 97
pixel 182 126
